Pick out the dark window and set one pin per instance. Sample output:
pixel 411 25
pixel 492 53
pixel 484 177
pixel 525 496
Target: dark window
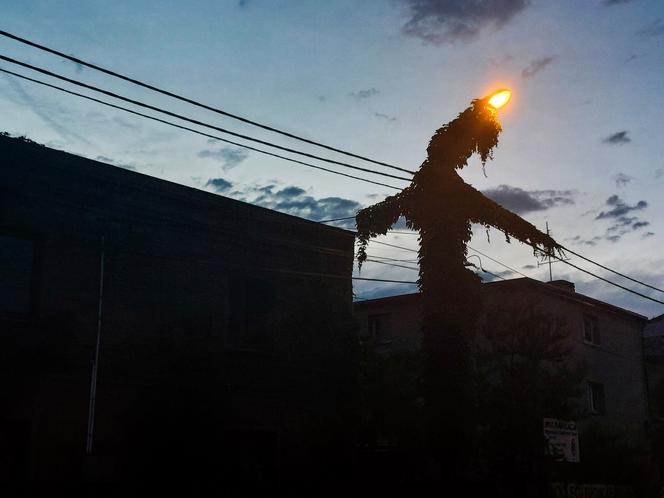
pixel 251 301
pixel 596 397
pixel 16 257
pixel 378 329
pixel 590 329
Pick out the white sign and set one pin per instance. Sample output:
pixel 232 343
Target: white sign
pixel 562 439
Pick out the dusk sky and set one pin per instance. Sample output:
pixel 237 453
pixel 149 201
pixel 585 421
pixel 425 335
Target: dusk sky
pixel 581 141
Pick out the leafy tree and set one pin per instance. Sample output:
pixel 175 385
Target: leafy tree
pixel 523 375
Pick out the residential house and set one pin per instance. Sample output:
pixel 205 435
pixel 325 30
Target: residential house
pixel 604 339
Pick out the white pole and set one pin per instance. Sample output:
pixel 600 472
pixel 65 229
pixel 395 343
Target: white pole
pixel 95 362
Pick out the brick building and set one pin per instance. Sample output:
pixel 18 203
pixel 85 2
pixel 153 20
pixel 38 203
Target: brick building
pixel 604 339
pixel 226 347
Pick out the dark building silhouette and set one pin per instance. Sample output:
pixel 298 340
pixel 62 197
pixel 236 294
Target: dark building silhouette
pixel 227 340
pixel 605 339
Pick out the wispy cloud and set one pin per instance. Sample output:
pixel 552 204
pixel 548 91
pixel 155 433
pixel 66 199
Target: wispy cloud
pixel 290 199
pixel 229 156
pixel 45 111
pixel 621 216
pixel 364 94
pixel 610 3
pixel 537 65
pixel 620 208
pixel 618 138
pixel 650 30
pixel 524 201
pixel 219 184
pixel 384 116
pixel 622 179
pixel 448 21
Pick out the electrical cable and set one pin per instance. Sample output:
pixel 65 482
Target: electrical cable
pixel 108 104
pixel 194 121
pixel 612 271
pixel 194 102
pixel 49 73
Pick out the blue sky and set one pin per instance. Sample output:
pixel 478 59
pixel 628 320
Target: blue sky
pixel 580 146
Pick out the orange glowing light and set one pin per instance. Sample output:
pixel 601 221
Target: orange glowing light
pixel 500 98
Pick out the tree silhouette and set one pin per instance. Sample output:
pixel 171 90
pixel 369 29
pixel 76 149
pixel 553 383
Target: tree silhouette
pixel 441 206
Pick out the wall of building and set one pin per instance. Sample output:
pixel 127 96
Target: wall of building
pixel 616 362
pixel 215 314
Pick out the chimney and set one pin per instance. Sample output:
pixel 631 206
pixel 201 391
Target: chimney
pixel 563 284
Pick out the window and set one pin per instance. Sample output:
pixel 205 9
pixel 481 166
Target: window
pixel 596 397
pixel 16 257
pixel 590 329
pixel 251 301
pixel 378 330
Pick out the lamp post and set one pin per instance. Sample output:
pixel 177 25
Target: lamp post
pixel 442 207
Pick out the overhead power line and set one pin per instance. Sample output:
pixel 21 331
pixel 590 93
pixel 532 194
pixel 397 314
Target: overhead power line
pixel 192 130
pixel 499 262
pixel 195 102
pixel 609 281
pixel 392 264
pixel 346 165
pixel 194 121
pixel 598 277
pixel 613 271
pixel 526 276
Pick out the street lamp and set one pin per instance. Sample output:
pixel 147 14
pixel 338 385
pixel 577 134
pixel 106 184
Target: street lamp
pixel 500 98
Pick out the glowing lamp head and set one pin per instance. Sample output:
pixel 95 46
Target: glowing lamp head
pixel 499 99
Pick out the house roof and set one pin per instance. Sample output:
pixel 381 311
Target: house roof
pixel 555 289
pixel 65 162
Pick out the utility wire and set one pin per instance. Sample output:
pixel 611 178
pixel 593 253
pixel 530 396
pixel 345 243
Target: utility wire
pixel 108 104
pixel 609 281
pixel 598 277
pixel 393 259
pixel 111 94
pixel 612 271
pixel 195 102
pixel 338 219
pixel 496 261
pixel 194 121
pixel 392 264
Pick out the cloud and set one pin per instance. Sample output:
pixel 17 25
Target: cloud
pixel 447 21
pixel 537 65
pixel 524 201
pixel 219 184
pixel 501 61
pixel 622 179
pixel 230 156
pixel 364 94
pixel 618 138
pixel 291 200
pixel 45 111
pixel 621 223
pixel 659 172
pixel 619 208
pixel 77 65
pixel 110 160
pixel 384 116
pixel 655 28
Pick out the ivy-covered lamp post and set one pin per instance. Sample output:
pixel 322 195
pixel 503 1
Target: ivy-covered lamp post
pixel 442 207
